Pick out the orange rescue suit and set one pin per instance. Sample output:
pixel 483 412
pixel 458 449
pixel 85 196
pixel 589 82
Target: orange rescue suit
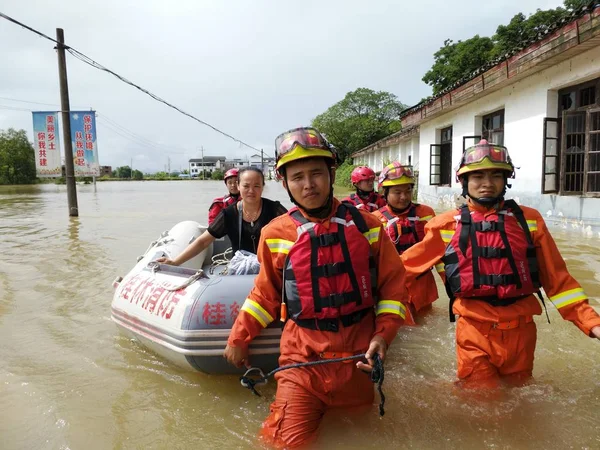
pixel 422 290
pixel 304 394
pixel 373 203
pixel 496 342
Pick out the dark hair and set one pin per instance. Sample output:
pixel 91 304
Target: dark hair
pixel 251 169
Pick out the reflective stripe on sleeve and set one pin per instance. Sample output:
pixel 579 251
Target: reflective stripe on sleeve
pixel 532 224
pixel 258 312
pixel 372 235
pixel 447 235
pixel 440 268
pixel 392 307
pixel 568 297
pixel 279 245
pixel 426 218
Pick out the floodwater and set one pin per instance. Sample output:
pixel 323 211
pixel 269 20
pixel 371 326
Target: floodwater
pixel 69 380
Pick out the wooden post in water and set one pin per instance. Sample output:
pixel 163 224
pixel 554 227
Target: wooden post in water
pixel 66 123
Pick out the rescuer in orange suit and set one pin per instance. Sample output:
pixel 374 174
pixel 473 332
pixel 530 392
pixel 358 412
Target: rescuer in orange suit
pixel 365 197
pixel 404 223
pixel 497 255
pixel 342 287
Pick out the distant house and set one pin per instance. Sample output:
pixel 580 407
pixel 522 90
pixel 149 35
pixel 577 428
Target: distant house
pixel 105 171
pixel 206 164
pixel 542 102
pixel 265 163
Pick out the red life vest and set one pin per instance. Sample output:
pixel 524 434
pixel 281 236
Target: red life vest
pixel 373 203
pixel 406 232
pixel 329 274
pixel 492 258
pixel 219 204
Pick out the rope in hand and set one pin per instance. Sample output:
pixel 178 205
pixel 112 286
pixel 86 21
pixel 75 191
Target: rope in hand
pixel 377 374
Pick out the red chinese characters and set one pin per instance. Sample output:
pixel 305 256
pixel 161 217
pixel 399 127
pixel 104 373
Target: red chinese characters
pixel 151 296
pixel 214 313
pixel 234 310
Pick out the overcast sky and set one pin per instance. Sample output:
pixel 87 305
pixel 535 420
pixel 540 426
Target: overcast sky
pixel 251 68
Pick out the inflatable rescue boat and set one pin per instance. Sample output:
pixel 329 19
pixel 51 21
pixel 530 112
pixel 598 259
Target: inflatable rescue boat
pixel 185 313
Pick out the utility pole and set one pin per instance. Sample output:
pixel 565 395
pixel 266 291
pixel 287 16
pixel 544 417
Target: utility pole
pixel 66 120
pixel 131 170
pixel 262 161
pixel 202 150
pixel 169 164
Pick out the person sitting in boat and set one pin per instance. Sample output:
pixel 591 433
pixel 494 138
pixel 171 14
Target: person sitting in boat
pixel 365 197
pixel 404 223
pixel 242 222
pixel 220 203
pixel 331 269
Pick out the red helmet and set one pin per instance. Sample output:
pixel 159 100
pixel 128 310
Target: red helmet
pixel 362 173
pixel 231 173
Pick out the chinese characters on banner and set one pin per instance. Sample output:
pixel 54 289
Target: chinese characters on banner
pixel 85 147
pixel 46 144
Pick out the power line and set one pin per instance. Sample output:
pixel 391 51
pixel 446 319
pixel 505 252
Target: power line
pixel 136 136
pixel 80 56
pixel 36 103
pixel 14 108
pixel 139 141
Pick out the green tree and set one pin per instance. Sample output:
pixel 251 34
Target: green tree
pixel 522 29
pixel 363 116
pixel 456 60
pixel 137 175
pixel 572 5
pixel 123 172
pixel 217 175
pixel 17 158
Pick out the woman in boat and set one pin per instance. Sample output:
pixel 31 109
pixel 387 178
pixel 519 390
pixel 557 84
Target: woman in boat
pixel 242 221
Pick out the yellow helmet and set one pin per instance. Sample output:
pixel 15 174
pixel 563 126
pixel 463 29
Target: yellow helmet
pixel 299 143
pixel 485 156
pixel 394 174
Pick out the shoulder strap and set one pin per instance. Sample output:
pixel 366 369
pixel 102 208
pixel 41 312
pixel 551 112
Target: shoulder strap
pixel 240 214
pixel 297 216
pixel 357 217
pixel 518 213
pixel 386 214
pixel 465 221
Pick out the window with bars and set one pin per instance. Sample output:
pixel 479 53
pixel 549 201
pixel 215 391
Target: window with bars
pixel 571 157
pixel 492 127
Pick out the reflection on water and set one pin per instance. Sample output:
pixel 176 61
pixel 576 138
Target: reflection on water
pixel 68 379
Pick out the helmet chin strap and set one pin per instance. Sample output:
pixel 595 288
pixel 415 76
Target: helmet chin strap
pixel 487 202
pixel 364 194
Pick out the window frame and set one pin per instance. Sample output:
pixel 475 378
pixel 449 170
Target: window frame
pixel 558 164
pixel 485 133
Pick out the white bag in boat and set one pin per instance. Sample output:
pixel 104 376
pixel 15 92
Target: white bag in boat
pixel 243 263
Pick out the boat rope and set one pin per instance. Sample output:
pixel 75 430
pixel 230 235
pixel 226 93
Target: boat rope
pixel 198 275
pixel 248 380
pixel 220 259
pixel 155 267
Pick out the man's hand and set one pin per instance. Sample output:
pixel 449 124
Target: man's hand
pixel 238 356
pixel 377 345
pixel 596 332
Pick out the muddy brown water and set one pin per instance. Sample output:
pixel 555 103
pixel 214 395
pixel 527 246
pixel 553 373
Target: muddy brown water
pixel 70 380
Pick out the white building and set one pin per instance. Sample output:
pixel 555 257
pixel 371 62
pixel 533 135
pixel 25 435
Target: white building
pixel 208 164
pixel 542 103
